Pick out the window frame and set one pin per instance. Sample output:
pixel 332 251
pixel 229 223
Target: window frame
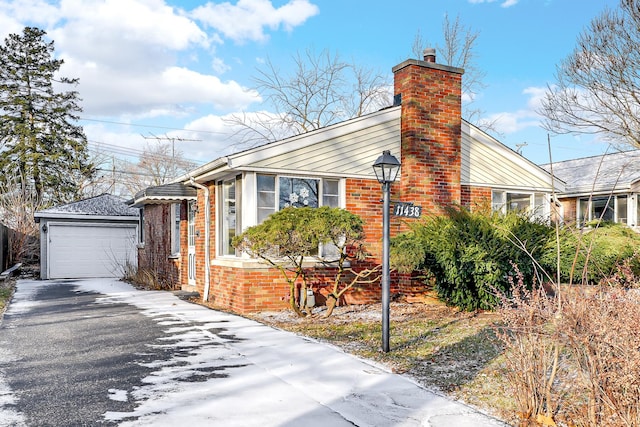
pixel 534 210
pixel 585 205
pixel 225 240
pixel 321 200
pixel 175 219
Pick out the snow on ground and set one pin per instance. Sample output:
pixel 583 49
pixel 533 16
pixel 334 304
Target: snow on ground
pixel 9 417
pixel 228 370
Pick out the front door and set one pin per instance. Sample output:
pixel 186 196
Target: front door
pixel 191 243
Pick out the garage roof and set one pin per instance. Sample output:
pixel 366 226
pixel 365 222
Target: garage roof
pixel 104 206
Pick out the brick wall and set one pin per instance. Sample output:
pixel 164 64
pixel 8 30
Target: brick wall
pixel 430 133
pixel 570 210
pixel 475 197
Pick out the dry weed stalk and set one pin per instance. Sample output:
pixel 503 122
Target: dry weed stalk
pixel 577 361
pixel 601 332
pixel 533 351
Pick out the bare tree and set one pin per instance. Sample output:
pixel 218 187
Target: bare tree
pixel 105 179
pixel 458 50
pixel 321 90
pixel 158 164
pixel 17 207
pixel 597 88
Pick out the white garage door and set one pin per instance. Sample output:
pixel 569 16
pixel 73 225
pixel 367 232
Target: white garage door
pixel 90 250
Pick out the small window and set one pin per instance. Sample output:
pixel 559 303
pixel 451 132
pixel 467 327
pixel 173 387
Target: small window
pixel 331 193
pixel 175 228
pixel 229 216
pixel 141 225
pixel 621 209
pixel 498 201
pixel 266 196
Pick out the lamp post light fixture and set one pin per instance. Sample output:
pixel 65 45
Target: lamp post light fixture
pixel 386 168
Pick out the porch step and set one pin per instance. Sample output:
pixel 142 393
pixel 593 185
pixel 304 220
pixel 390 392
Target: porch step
pixel 182 294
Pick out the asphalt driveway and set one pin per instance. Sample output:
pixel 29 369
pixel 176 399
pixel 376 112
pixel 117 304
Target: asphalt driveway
pixel 98 352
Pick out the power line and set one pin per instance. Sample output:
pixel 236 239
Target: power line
pixel 99 146
pixel 153 126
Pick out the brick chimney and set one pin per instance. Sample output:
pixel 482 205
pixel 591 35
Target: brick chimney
pixel 430 95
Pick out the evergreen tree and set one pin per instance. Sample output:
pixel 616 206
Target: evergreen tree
pixel 40 146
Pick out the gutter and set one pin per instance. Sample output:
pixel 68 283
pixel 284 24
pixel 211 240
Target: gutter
pixel 207 226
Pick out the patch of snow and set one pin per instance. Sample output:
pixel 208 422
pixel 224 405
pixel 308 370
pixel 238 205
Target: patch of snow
pixel 24 300
pixel 118 395
pixel 233 371
pixel 9 417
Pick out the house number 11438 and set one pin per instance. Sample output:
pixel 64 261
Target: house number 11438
pixel 408 210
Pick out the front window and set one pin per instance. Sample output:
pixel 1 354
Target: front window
pixel 603 208
pixel 266 196
pixel 534 204
pixel 278 192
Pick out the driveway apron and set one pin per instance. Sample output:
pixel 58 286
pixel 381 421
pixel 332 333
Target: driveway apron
pixel 64 354
pixel 98 352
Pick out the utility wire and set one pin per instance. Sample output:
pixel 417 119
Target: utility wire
pixel 153 126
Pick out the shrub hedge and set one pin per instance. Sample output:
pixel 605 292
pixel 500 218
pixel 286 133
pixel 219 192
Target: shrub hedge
pixel 469 256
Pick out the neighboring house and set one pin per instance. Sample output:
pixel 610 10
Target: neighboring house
pixel 445 161
pixel 95 237
pixel 603 187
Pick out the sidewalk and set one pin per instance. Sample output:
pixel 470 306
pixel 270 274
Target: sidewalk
pixel 226 370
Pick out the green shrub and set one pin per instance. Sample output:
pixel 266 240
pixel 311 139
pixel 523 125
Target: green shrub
pixel 602 249
pixel 470 255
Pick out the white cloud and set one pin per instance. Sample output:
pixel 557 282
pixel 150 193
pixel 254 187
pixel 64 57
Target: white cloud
pixel 13 15
pixel 142 59
pixel 515 121
pixel 126 53
pixel 247 19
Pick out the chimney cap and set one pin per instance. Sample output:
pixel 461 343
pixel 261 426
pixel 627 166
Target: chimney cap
pixel 429 54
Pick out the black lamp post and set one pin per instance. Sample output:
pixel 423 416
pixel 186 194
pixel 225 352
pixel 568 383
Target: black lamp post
pixel 386 168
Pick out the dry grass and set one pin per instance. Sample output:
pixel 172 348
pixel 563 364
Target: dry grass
pixel 6 291
pixel 448 351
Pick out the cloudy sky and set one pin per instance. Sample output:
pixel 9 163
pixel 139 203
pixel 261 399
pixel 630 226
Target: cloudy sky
pixel 174 69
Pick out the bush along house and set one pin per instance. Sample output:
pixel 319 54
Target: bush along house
pixel 188 225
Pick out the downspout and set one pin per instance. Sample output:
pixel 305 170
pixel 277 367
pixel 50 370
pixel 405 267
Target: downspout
pixel 207 243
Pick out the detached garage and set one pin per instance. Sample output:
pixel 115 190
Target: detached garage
pixel 95 237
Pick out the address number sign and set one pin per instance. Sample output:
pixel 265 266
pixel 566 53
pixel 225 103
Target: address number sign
pixel 408 210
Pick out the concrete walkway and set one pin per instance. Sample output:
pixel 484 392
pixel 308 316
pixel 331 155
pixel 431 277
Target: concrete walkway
pixel 199 367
